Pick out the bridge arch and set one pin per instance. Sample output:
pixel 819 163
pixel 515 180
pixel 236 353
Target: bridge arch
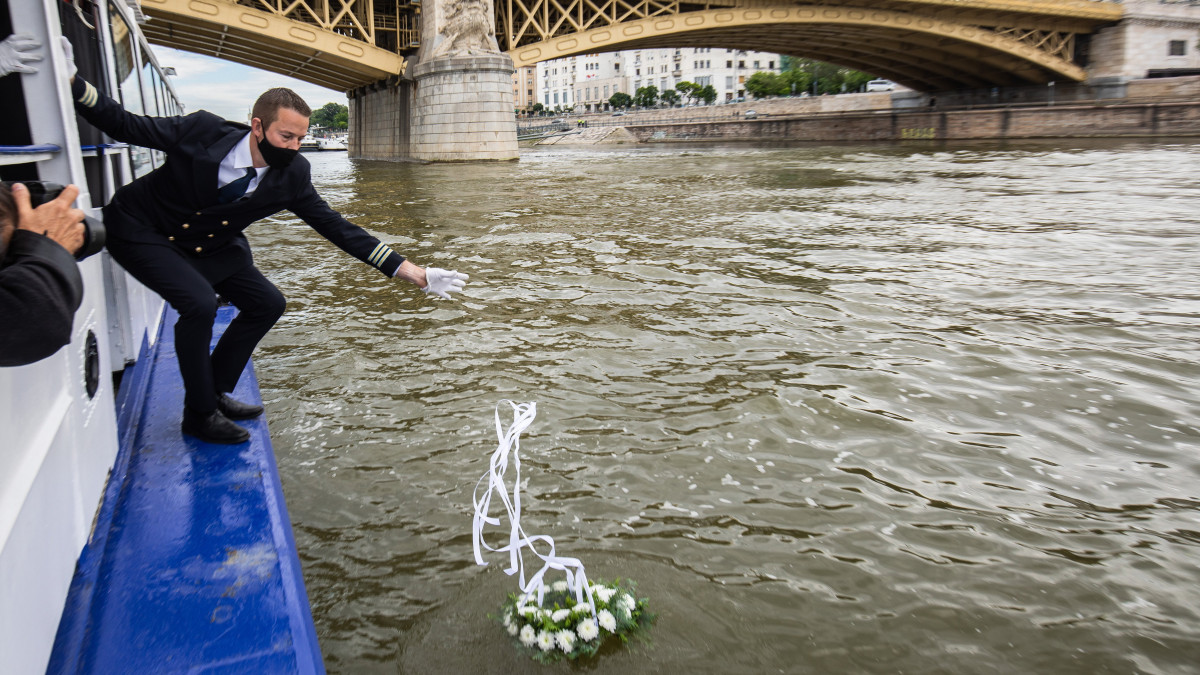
pixel 925 53
pixel 324 53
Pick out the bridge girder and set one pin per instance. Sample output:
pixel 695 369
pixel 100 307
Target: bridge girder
pixel 327 55
pixel 947 45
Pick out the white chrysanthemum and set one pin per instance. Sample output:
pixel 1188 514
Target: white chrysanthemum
pixel 607 621
pixel 566 640
pixel 545 641
pixel 627 603
pixel 547 614
pixel 528 636
pixel 583 608
pixel 559 586
pixel 604 593
pixel 529 611
pixel 559 615
pixel 588 630
pixel 511 628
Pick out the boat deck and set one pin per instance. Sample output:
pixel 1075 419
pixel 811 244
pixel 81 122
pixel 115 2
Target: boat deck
pixel 192 566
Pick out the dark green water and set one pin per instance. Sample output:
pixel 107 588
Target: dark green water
pixel 860 409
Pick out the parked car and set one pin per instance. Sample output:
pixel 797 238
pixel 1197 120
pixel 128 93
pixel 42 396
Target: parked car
pixel 619 113
pixel 750 114
pixel 881 85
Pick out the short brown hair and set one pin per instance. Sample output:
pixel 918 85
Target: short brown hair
pixel 266 108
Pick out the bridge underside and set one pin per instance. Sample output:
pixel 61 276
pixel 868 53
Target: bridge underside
pixel 945 49
pixel 268 41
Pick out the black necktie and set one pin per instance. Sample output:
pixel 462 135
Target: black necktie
pixel 233 191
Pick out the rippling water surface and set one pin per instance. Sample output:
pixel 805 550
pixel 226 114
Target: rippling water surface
pixel 864 409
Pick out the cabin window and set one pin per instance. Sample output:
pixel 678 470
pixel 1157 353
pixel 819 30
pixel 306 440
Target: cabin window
pixel 1177 48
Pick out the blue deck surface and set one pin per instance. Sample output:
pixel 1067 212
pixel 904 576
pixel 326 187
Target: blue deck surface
pixel 192 567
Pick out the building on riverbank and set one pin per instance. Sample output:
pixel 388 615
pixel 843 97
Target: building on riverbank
pixel 586 82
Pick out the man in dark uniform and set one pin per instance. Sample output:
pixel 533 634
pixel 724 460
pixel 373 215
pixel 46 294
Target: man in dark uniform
pixel 178 230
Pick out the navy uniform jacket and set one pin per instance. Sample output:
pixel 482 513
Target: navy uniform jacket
pixel 178 200
pixel 40 289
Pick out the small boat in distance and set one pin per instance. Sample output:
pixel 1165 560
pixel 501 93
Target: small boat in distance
pixel 332 143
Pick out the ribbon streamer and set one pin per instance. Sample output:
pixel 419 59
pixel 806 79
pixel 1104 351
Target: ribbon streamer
pixel 509 445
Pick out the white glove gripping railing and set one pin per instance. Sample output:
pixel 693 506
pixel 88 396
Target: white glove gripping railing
pixel 510 443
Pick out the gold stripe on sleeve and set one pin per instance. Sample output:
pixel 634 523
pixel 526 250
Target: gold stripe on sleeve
pixel 380 254
pixel 90 96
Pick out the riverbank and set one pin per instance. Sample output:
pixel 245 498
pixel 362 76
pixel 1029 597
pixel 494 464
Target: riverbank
pixel 1151 108
pixel 1127 120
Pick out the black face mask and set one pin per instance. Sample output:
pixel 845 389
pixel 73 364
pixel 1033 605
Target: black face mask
pixel 274 156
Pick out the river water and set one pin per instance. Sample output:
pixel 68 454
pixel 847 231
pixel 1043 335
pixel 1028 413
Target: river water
pixel 869 409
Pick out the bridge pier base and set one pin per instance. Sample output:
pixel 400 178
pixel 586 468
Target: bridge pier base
pixel 379 116
pixel 463 109
pixel 453 109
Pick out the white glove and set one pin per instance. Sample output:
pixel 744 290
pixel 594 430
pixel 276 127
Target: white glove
pixel 444 282
pixel 15 51
pixel 69 54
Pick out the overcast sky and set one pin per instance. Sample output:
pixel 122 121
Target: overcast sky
pixel 228 89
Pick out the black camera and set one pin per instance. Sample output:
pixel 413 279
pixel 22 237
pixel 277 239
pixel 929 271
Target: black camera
pixel 41 192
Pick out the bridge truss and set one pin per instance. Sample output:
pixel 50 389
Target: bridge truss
pixel 340 44
pixel 924 44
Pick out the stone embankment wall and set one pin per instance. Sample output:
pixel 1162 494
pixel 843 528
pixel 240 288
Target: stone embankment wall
pixel 1131 120
pixel 1151 107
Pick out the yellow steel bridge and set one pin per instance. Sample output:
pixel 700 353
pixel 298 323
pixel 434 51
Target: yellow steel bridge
pixel 925 44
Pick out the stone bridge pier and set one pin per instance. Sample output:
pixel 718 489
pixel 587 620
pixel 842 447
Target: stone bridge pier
pixel 453 104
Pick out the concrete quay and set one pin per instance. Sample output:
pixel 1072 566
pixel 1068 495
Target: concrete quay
pixel 1153 108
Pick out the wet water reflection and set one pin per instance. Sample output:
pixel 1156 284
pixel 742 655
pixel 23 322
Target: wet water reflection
pixel 851 409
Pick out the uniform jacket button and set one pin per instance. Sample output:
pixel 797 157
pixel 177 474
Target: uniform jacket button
pixel 199 249
pixel 224 222
pixel 210 236
pixel 170 238
pixel 197 213
pixel 186 226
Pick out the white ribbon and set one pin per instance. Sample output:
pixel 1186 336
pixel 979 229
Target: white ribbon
pixel 510 443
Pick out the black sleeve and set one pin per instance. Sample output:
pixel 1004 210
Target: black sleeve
pixel 349 237
pixel 40 289
pixel 160 133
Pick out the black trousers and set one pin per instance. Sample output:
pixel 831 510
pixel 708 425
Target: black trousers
pixel 181 281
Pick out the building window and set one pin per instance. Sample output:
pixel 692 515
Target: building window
pixel 770 65
pixel 729 82
pixel 1177 48
pixel 729 64
pixel 756 65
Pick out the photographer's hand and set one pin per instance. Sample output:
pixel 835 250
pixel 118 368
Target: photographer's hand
pixel 55 219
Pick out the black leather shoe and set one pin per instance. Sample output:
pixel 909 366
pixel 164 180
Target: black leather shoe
pixel 236 410
pixel 213 427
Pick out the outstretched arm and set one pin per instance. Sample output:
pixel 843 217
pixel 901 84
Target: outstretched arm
pixel 357 242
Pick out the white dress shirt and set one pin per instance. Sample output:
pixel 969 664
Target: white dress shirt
pixel 235 164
